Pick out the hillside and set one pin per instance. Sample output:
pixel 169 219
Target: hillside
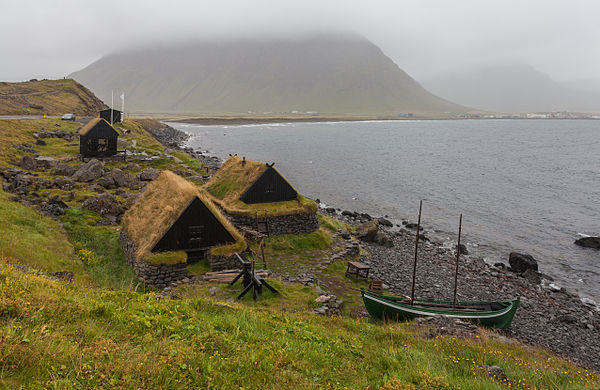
pixel 514 88
pixel 50 97
pixel 321 74
pixel 105 330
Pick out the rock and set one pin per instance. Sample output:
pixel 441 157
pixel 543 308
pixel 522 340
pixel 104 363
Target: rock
pixel 64 170
pixel 132 167
pixel 89 171
pixel 149 174
pixel 323 298
pixel 40 142
pixel 520 262
pixel 413 226
pixel 57 200
pixel 382 239
pixel 589 242
pixel 367 231
pixel 66 276
pixel 46 162
pixel 385 222
pixel 116 178
pixel 568 319
pixel 533 276
pixel 52 210
pixel 500 265
pixel 330 210
pixel 28 162
pixel 349 213
pixel 366 216
pixel 106 205
pixel 63 183
pixel 213 290
pixel 496 372
pixel 463 249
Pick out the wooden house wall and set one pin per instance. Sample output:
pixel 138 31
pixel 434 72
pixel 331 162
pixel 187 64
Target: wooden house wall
pixel 268 188
pixel 195 229
pixel 117 115
pixel 88 144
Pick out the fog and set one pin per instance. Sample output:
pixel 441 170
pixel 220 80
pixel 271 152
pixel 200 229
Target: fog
pixel 50 39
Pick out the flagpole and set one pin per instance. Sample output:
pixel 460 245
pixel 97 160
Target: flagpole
pixel 112 104
pixel 122 106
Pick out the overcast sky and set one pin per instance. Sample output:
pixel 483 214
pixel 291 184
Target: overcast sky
pixel 52 38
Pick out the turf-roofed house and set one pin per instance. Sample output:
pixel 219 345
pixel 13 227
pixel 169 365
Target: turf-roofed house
pixel 98 139
pixel 248 191
pixel 172 224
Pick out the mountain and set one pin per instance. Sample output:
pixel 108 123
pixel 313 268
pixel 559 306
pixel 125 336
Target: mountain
pixel 51 97
pixel 324 74
pixel 513 88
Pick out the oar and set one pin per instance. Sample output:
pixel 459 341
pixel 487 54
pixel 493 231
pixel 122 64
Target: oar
pixel 412 293
pixel 457 257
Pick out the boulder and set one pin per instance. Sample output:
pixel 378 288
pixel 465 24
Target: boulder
pixel 106 205
pixel 385 222
pixel 586 242
pixel 411 225
pixel 64 184
pixel 382 239
pixel 64 170
pixel 521 262
pixel 534 277
pixel 148 174
pixel 463 249
pixel 367 231
pixel 132 167
pixel 89 171
pixel 46 162
pixel 116 178
pixel 28 162
pixel 349 213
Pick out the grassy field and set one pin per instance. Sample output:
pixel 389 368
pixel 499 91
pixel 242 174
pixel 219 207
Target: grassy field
pixel 104 330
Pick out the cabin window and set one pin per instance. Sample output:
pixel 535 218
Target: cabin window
pixel 269 188
pixel 196 234
pixel 102 144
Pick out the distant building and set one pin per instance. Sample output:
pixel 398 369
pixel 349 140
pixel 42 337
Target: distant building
pixel 117 116
pixel 98 139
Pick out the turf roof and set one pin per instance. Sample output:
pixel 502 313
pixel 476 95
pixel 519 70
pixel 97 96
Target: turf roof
pixel 91 124
pixel 233 179
pixel 160 205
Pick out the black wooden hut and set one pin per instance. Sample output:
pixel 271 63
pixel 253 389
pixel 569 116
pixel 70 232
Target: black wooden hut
pixel 173 215
pixel 270 187
pixel 98 139
pixel 117 116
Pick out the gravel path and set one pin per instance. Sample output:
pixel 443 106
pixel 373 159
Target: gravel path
pixel 557 320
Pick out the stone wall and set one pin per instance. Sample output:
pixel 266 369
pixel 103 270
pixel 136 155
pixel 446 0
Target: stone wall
pixel 220 263
pixel 282 224
pixel 157 276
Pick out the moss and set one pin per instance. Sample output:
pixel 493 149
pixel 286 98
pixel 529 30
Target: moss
pixel 167 258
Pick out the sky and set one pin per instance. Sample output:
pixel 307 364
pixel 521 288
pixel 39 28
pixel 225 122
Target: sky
pixel 426 38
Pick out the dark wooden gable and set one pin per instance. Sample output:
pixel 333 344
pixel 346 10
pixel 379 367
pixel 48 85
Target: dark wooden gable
pixel 98 141
pixel 117 115
pixel 196 229
pixel 268 188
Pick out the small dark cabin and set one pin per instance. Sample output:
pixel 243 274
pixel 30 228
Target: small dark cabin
pixel 117 116
pixel 270 187
pixel 98 139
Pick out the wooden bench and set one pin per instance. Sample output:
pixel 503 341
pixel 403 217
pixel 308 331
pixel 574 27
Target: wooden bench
pixel 358 270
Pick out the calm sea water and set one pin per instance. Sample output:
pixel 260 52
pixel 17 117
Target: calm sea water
pixel 522 185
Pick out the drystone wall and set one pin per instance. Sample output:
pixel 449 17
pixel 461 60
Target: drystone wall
pixel 221 263
pixel 157 276
pixel 281 224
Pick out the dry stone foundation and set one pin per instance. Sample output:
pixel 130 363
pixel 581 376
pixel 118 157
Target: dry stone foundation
pixel 157 276
pixel 281 224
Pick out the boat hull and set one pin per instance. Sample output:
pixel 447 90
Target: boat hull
pixel 500 314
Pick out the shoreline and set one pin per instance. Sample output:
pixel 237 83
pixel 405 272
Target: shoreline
pixel 551 317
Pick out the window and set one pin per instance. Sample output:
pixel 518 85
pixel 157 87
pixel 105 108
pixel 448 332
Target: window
pixel 196 234
pixel 102 144
pixel 269 188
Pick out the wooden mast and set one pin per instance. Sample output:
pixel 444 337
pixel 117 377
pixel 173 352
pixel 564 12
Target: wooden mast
pixel 457 257
pixel 412 292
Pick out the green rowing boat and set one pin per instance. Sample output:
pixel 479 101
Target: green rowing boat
pixel 489 314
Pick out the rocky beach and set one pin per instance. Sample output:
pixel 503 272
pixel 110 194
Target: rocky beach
pixel 548 316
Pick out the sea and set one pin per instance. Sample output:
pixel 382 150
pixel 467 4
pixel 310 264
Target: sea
pixel 530 186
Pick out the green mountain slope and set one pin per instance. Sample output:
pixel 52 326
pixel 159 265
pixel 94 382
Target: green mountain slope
pixel 50 97
pixel 324 74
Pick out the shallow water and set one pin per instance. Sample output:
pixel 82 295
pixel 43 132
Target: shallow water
pixel 522 185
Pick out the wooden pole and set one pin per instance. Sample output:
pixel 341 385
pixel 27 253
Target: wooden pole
pixel 457 257
pixel 412 293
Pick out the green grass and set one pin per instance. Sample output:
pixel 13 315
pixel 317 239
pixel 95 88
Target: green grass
pixel 167 258
pixel 319 239
pixel 29 238
pixel 56 335
pixel 99 249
